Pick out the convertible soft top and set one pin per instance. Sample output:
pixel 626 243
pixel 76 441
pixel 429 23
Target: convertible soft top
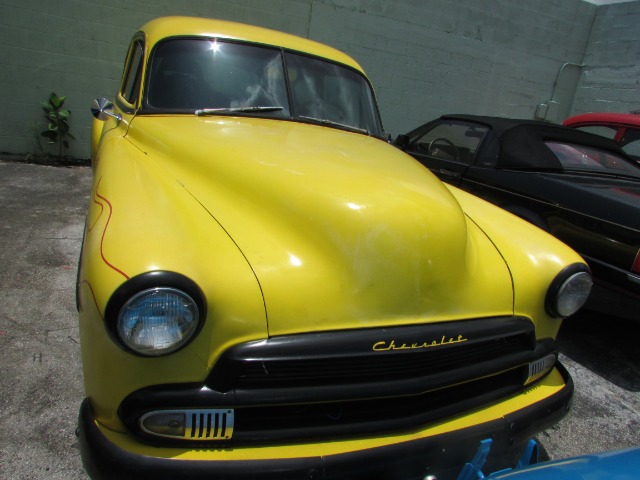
pixel 522 142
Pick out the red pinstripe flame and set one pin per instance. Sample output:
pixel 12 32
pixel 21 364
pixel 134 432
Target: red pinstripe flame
pixel 93 295
pixel 104 232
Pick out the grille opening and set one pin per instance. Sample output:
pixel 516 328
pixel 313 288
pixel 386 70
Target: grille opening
pixel 208 425
pixel 376 367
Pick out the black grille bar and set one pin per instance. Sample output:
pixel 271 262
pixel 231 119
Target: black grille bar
pixel 351 357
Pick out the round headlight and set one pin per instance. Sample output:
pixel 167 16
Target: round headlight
pixel 158 321
pixel 569 291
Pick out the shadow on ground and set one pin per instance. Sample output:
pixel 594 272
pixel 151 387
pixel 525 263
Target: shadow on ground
pixel 607 346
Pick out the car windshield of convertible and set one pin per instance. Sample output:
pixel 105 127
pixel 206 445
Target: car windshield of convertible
pixel 216 77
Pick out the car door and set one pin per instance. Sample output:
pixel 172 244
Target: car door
pixel 447 147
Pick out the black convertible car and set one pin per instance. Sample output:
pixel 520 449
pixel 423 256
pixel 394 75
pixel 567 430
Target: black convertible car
pixel 582 188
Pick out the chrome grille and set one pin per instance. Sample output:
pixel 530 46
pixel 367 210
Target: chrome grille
pixel 209 424
pixel 540 368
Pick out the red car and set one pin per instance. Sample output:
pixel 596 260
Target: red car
pixel 624 128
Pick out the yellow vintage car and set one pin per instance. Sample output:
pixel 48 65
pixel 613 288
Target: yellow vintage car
pixel 269 289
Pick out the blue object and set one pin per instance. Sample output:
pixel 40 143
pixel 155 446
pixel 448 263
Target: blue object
pixel 530 456
pixel 614 465
pixel 473 470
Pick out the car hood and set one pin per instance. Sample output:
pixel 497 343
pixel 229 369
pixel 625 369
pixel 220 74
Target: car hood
pixel 341 230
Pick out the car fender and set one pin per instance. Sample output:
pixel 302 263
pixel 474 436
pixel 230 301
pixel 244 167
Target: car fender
pixel 525 249
pixel 128 185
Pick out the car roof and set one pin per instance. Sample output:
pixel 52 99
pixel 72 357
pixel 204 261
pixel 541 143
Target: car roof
pixel 603 118
pixel 522 141
pixel 163 27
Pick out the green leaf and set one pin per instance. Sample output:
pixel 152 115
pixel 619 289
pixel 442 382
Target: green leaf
pixel 54 100
pixel 57 121
pixel 58 102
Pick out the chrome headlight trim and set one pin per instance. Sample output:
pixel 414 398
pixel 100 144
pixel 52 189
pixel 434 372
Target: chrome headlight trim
pixel 569 291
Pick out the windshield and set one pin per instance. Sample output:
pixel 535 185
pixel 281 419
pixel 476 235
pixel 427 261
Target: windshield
pixel 589 159
pixel 211 77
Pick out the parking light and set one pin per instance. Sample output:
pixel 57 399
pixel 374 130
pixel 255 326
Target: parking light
pixel 189 424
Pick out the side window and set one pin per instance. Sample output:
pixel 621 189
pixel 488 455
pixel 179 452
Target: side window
pixel 630 142
pixel 490 151
pixel 131 80
pixel 603 131
pixel 453 141
pixel 573 156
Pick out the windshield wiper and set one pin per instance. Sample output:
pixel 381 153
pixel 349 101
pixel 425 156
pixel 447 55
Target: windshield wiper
pixel 331 123
pixel 214 111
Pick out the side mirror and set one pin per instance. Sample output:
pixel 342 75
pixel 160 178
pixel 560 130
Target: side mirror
pixel 101 108
pixel 401 141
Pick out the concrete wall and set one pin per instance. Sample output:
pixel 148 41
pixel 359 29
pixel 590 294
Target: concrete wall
pixel 428 58
pixel 424 57
pixel 610 80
